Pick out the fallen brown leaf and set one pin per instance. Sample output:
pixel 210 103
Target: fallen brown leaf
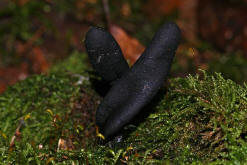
pixel 17 73
pixel 130 46
pixel 156 8
pixel 39 62
pixel 65 144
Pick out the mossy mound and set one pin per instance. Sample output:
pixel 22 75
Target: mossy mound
pixel 49 119
pixel 198 121
pixel 43 114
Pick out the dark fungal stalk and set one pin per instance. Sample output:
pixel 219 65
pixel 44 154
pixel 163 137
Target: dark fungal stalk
pixel 105 54
pixel 139 84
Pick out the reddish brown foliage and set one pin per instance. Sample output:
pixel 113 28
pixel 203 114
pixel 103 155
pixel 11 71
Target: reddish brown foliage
pixel 162 7
pixel 130 46
pixel 9 75
pixel 38 60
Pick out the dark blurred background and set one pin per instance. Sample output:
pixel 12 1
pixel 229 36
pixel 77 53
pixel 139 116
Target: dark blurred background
pixel 36 34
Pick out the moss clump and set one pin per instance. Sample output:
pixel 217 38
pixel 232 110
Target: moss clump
pixel 45 114
pixel 199 120
pixel 75 63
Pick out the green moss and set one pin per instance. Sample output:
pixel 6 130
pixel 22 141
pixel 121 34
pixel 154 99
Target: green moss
pixel 45 109
pixel 33 97
pixel 200 120
pixel 75 63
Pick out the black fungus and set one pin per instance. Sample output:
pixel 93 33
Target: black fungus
pixel 138 85
pixel 105 54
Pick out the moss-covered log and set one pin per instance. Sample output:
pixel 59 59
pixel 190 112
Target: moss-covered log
pixel 50 119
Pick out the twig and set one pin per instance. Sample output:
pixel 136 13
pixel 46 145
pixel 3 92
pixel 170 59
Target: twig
pixel 28 45
pixel 17 133
pixel 35 37
pixel 107 12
